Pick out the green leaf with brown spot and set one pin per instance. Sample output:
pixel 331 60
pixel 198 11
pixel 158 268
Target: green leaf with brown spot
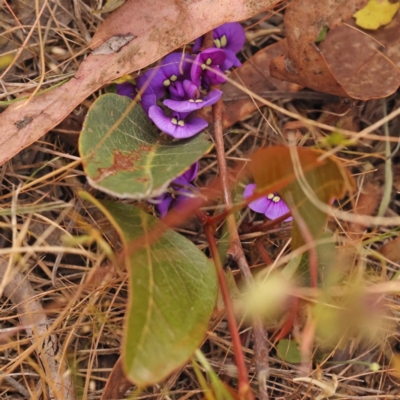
pixel 301 176
pixel 122 153
pixel 172 293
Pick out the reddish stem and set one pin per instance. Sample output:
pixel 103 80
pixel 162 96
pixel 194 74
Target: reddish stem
pixel 288 325
pixel 236 250
pixel 244 385
pixel 263 253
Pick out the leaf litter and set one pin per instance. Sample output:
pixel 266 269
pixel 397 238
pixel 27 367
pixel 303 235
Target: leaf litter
pixel 87 318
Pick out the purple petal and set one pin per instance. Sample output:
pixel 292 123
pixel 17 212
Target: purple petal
pixel 126 89
pixel 193 105
pixel 191 126
pixel 153 81
pixel 234 33
pixel 148 100
pixel 191 90
pixel 177 91
pixel 215 76
pixel 197 44
pixel 190 174
pixel 276 210
pixel 217 57
pixel 195 73
pixel 175 64
pixel 164 204
pixel 231 60
pixel 271 209
pixel 260 205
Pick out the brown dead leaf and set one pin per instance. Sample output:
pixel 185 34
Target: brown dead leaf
pixel 349 61
pixel 157 30
pixel 367 204
pixel 305 65
pixel 391 250
pixel 359 63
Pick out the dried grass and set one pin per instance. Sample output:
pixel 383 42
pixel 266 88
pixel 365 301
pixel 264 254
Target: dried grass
pixel 84 298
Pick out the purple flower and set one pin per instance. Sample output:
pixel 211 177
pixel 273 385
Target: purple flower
pixel 272 206
pixel 230 37
pixel 188 98
pixel 206 67
pixel 181 187
pixel 126 89
pixel 178 125
pixel 174 67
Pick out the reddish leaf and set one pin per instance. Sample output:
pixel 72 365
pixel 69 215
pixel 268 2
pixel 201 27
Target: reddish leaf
pixel 274 170
pixel 152 32
pixel 117 383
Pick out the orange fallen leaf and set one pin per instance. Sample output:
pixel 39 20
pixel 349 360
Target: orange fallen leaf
pixel 154 31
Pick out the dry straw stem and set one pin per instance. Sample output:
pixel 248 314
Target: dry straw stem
pixel 33 318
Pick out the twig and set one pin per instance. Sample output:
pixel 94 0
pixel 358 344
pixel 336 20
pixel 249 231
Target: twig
pixel 16 385
pixel 32 316
pixel 236 250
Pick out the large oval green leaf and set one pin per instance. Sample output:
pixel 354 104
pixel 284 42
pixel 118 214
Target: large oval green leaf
pixel 172 293
pixel 122 154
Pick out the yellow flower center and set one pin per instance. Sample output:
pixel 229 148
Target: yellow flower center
pixel 223 41
pixel 179 122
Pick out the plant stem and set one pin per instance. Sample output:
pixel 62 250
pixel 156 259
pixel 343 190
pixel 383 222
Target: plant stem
pixel 236 250
pixel 244 385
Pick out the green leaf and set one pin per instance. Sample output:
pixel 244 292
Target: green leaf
pixel 172 293
pixel 322 34
pixel 326 256
pixel 324 179
pixel 287 350
pixel 122 154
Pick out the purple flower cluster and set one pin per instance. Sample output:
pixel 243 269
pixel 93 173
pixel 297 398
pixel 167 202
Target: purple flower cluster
pixel 173 93
pixel 272 206
pixel 181 189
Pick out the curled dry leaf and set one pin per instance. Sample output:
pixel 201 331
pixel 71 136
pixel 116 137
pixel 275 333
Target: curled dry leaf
pixel 348 62
pixel 158 31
